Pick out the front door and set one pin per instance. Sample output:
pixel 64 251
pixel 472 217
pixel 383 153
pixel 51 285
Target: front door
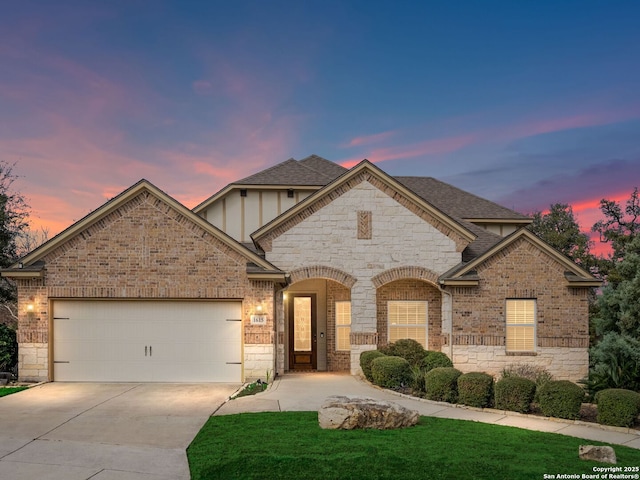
pixel 302 333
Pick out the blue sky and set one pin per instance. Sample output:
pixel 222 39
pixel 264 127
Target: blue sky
pixel 526 103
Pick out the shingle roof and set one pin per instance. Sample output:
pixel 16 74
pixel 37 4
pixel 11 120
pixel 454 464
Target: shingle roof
pixel 462 205
pixel 324 166
pixel 456 202
pixel 312 170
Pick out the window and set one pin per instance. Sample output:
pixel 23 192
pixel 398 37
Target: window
pixel 343 325
pixel 407 319
pixel 521 325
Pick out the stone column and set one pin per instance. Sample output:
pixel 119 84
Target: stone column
pixel 364 329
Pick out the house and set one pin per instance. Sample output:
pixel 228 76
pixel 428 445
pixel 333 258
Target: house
pixel 301 266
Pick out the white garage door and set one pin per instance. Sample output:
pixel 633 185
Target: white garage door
pixel 147 341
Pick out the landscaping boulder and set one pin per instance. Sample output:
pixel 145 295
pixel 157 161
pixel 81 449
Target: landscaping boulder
pixel 597 454
pixel 348 413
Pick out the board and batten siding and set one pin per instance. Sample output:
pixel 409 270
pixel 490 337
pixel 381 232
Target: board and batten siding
pixel 239 216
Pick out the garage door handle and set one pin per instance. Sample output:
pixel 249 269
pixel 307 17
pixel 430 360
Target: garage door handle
pixel 145 350
pixel 234 363
pixel 150 351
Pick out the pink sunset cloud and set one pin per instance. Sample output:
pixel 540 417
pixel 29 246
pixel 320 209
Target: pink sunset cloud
pixel 549 125
pixel 369 139
pixel 429 147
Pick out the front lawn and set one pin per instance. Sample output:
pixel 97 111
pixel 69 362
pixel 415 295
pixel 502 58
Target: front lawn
pixel 9 390
pixel 290 445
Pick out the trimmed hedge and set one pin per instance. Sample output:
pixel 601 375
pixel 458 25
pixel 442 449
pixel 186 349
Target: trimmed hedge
pixel 365 362
pixel 390 372
pixel 442 384
pixel 411 350
pixel 560 399
pixel 475 389
pixel 514 394
pixel 617 407
pixel 434 359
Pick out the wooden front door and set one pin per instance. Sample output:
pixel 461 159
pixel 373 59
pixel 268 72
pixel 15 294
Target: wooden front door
pixel 302 333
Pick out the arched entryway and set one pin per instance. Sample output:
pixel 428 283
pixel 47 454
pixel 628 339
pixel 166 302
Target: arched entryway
pixel 314 323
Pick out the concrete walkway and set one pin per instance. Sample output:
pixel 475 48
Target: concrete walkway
pixel 307 392
pixel 115 431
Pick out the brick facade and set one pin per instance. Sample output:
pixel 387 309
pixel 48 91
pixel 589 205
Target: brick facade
pixel 337 361
pixel 522 271
pixel 409 289
pixel 145 249
pixel 149 247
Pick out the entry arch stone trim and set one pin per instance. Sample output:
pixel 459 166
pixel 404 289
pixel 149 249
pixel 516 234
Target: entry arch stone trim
pixel 402 273
pixel 322 271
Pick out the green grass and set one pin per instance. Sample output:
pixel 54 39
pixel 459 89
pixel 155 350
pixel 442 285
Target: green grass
pixel 290 445
pixel 4 391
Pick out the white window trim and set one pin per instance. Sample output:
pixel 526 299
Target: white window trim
pixel 528 325
pixel 426 320
pixel 343 326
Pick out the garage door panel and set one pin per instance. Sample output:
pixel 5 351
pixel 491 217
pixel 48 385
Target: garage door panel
pixel 186 341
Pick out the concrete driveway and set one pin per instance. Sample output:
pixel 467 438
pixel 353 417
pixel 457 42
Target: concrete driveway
pixel 77 431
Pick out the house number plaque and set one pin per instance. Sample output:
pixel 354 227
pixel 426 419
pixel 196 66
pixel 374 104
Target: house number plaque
pixel 258 319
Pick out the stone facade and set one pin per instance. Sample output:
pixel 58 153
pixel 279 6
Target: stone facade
pixel 259 362
pixel 563 363
pixel 145 249
pixel 329 238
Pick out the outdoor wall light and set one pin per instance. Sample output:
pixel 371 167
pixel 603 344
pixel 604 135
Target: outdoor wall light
pixel 258 309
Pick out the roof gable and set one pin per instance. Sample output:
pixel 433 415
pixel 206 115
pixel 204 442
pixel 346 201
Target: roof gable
pixel 112 206
pixel 312 172
pixel 364 171
pixel 575 275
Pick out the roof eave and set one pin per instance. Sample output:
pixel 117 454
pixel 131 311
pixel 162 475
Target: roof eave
pixel 518 221
pixel 459 282
pixel 198 209
pixel 21 273
pixel 276 276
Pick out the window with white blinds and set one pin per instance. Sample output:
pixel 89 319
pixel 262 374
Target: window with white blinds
pixel 407 319
pixel 343 325
pixel 521 325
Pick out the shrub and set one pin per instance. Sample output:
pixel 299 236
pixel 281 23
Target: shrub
pixel 615 363
pixel 475 389
pixel 535 373
pixel 561 399
pixel 365 362
pixel 442 384
pixel 390 372
pixel 514 393
pixel 417 381
pixel 411 350
pixel 434 359
pixel 618 407
pixel 8 348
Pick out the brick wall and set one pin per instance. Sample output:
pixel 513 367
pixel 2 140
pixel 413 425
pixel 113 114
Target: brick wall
pixel 522 270
pixel 337 361
pixel 411 290
pixel 144 249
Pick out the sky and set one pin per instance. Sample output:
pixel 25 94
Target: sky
pixel 526 103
